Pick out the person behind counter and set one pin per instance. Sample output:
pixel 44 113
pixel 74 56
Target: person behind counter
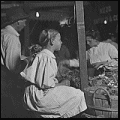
pixel 10 43
pixel 45 94
pixel 100 53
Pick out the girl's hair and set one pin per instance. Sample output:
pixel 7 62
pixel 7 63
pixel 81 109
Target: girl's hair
pixel 46 36
pixel 93 34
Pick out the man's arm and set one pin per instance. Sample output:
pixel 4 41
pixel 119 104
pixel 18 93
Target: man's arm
pixel 73 62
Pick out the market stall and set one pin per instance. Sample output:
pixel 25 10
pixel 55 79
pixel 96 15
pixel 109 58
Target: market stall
pixel 65 12
pixel 107 81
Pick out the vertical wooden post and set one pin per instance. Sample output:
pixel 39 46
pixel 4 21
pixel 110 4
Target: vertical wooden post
pixel 82 44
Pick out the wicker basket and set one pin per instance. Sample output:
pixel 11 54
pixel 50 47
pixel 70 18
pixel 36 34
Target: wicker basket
pixel 100 102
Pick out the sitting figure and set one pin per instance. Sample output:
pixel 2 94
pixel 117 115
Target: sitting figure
pixel 100 54
pixel 45 95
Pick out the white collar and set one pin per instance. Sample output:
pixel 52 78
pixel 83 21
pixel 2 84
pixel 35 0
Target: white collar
pixel 49 53
pixel 12 30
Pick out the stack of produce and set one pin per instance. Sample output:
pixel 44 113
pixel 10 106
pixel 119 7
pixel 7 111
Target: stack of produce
pixel 69 74
pixel 109 80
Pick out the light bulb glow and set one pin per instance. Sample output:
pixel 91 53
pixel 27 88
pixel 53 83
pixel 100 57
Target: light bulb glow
pixel 105 22
pixel 37 14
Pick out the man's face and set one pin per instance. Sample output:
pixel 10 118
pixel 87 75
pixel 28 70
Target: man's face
pixel 91 42
pixel 22 24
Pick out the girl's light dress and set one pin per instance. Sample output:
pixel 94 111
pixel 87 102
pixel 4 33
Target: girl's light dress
pixel 56 101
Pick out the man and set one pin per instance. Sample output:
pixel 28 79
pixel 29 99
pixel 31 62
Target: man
pixel 10 43
pixel 100 53
pixel 10 56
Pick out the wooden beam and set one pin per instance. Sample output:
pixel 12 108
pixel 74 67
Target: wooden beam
pixel 44 4
pixel 34 4
pixel 7 6
pixel 37 4
pixel 82 44
pixel 49 15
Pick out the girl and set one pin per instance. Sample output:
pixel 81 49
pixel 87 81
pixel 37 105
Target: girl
pixel 45 95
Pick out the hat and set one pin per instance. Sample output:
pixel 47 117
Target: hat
pixel 13 15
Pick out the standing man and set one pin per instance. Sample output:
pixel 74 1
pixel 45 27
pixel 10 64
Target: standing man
pixel 10 43
pixel 10 55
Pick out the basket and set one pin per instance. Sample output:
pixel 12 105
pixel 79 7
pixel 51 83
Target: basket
pixel 100 102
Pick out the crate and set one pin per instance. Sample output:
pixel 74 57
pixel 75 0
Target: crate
pixel 100 102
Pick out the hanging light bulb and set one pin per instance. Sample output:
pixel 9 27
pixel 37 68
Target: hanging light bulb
pixel 37 14
pixel 105 21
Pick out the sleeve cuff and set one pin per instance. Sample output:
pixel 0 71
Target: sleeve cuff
pixel 74 63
